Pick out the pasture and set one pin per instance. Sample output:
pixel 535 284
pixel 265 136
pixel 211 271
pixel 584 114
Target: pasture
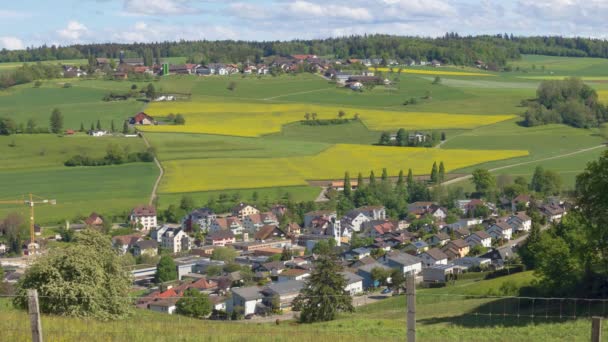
pixel 34 163
pixel 238 173
pixel 553 66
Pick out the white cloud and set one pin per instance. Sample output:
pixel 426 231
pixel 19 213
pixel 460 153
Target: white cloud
pixel 74 31
pixel 158 7
pixel 144 32
pixel 11 43
pixel 309 9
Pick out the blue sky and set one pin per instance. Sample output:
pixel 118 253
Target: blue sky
pixel 29 22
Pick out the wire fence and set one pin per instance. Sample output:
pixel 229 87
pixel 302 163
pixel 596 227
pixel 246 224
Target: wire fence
pixel 439 317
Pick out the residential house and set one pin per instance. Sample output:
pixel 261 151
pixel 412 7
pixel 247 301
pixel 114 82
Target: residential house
pixel 142 118
pixel 500 256
pixel 246 297
pixel 286 291
pixel 439 213
pixel 220 238
pixel 145 247
pixel 438 273
pixel 157 234
pixel 409 264
pixel 224 223
pixel 374 212
pixel 242 210
pixel 520 222
pixel 274 268
pixel 144 217
pixel 293 229
pixel 218 69
pixel 354 283
pixel 183 69
pixel 417 137
pixel 352 222
pixel 94 220
pixel 500 230
pixel 439 239
pixel 365 272
pixel 471 262
pixel 479 238
pixel 433 256
pixel 339 185
pixel 380 228
pixel 520 202
pixel 293 274
pixel 461 233
pixel 167 306
pixel 458 247
pixel 124 243
pixel 176 240
pixel 419 209
pixel 319 214
pixel 554 213
pixel 200 218
pixel 252 223
pixel 416 247
pixel 203 71
pixel 269 232
pixel 361 252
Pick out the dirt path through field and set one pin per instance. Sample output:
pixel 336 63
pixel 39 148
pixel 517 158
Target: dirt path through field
pixel 153 195
pixel 458 179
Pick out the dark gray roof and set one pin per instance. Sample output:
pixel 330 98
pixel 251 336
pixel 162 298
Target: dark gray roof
pixel 404 259
pixel 286 287
pixel 351 278
pixel 249 293
pixel 147 244
pixel 369 267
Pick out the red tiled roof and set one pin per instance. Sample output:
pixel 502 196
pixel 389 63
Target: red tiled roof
pixel 144 210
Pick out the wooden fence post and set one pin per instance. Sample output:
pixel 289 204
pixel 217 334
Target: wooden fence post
pixel 596 329
pixel 34 313
pixel 410 288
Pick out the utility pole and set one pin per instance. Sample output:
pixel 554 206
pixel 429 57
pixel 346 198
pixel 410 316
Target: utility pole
pixel 410 288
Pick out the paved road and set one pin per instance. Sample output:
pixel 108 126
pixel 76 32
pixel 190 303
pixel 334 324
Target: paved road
pixel 160 175
pixel 522 238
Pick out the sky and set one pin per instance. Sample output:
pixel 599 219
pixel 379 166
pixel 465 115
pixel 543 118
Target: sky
pixel 26 23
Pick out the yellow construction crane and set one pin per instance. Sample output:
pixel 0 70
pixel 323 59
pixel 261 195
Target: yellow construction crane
pixel 31 202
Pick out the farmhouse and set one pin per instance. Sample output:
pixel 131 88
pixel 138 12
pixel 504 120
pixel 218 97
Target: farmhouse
pixel 94 220
pixel 141 119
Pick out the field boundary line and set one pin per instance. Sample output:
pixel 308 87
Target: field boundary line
pixel 296 93
pixel 153 195
pixel 456 180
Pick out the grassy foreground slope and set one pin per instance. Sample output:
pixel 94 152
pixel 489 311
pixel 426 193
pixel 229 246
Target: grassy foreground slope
pixel 439 318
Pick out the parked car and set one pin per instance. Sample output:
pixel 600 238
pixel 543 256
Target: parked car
pixel 386 291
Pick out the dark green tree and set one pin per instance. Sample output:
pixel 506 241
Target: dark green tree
pixel 112 128
pixel 385 139
pixel 347 185
pixel 98 125
pixel 286 254
pixel 359 180
pixel 151 91
pixel 324 297
pixel 372 179
pixel 384 176
pixel 194 304
pixel 56 121
pixel 81 127
pixel 187 203
pixel 401 137
pixel 125 127
pixel 434 176
pixel 166 270
pixel 410 179
pixel 31 126
pixel 441 173
pixel 225 254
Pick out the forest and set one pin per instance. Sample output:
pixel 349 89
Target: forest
pixel 450 48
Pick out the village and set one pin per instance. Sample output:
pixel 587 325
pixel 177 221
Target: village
pixel 253 264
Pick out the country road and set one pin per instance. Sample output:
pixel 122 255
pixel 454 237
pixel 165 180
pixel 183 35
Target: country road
pixel 160 176
pixel 459 179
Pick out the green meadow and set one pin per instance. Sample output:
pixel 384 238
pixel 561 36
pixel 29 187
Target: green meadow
pixel 553 146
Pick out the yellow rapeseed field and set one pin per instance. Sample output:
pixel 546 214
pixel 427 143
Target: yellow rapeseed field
pixel 438 72
pixel 602 95
pixel 232 173
pixel 255 119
